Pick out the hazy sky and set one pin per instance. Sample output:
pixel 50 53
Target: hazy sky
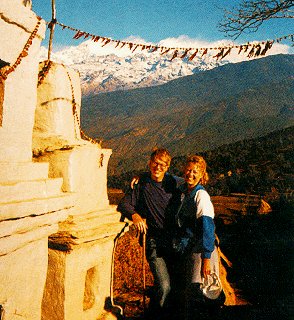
pixel 150 20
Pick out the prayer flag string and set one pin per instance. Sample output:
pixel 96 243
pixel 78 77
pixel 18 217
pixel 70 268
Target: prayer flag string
pixel 252 49
pixel 4 72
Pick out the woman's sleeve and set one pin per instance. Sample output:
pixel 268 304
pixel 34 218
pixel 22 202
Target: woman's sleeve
pixel 205 215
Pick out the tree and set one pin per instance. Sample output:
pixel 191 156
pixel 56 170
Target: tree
pixel 252 13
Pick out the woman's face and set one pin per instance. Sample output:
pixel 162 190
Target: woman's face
pixel 192 174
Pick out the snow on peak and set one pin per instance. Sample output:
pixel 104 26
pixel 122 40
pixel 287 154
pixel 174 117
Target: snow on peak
pixel 108 68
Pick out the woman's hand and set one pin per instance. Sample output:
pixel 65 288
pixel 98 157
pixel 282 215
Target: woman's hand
pixel 135 181
pixel 205 268
pixel 139 223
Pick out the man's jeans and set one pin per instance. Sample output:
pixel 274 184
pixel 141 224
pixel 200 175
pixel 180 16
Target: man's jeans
pixel 156 255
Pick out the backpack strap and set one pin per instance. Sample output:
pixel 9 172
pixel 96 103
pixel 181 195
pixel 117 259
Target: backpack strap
pixel 194 191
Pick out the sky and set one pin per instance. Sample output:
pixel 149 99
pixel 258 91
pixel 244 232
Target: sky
pixel 153 21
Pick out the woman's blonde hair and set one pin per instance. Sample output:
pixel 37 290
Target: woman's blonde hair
pixel 195 159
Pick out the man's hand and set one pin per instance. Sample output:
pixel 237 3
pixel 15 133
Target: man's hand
pixel 139 223
pixel 205 268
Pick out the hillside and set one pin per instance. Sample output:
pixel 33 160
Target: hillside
pixel 194 113
pixel 263 166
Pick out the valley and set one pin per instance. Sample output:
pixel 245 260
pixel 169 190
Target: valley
pixel 193 113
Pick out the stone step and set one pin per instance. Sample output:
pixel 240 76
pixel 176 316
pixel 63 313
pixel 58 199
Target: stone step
pixel 102 232
pixel 23 190
pixel 68 240
pixel 34 207
pixel 22 171
pixel 104 211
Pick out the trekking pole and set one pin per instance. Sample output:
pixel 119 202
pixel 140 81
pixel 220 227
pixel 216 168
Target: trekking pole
pixel 144 272
pixel 116 309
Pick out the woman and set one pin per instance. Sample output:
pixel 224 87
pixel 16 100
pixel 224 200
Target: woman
pixel 195 238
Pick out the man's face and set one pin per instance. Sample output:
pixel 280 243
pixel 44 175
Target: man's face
pixel 158 167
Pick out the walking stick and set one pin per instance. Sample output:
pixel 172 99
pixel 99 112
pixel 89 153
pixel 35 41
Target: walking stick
pixel 144 272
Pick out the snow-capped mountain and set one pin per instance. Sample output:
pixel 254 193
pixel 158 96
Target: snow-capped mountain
pixel 103 69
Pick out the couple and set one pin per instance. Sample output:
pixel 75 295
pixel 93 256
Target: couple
pixel 177 217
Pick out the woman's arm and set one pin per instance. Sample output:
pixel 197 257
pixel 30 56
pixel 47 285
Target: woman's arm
pixel 205 215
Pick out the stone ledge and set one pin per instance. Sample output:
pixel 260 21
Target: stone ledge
pixel 22 190
pixel 35 207
pixel 17 241
pixel 11 227
pixel 22 171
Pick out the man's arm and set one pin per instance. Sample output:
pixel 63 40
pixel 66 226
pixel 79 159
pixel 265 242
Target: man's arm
pixel 127 206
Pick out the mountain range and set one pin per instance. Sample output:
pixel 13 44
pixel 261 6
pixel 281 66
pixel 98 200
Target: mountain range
pixel 102 71
pixel 193 113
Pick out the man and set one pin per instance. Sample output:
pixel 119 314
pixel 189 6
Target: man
pixel 149 206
